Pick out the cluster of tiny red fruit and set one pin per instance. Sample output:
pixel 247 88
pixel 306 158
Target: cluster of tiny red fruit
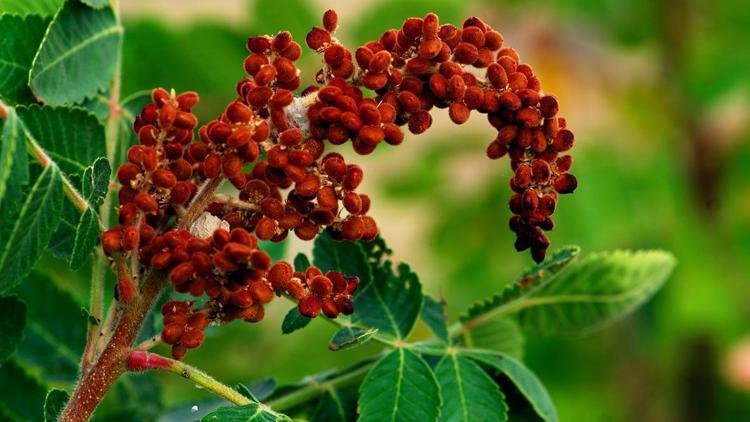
pixel 293 186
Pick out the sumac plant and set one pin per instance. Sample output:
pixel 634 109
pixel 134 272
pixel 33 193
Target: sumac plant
pixel 187 218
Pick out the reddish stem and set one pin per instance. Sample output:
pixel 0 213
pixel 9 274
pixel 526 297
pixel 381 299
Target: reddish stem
pixel 111 363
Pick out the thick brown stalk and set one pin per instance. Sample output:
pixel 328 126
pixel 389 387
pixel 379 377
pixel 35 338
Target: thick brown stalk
pixel 111 363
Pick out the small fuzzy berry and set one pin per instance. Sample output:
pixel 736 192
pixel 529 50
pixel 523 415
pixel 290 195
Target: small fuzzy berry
pixel 310 306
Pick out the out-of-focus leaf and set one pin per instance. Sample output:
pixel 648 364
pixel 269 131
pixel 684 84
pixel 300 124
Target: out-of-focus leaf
pixel 346 257
pixel 262 389
pixel 401 387
pixel 25 240
pixel 335 405
pixel 12 323
pixel 21 395
pixel 97 4
pixel 525 380
pixel 20 40
pixel 78 55
pixel 276 250
pixel 140 396
pixel 54 403
pixel 529 282
pixel 469 394
pixel 26 7
pixel 294 321
pixel 253 412
pixel 348 337
pixel 501 335
pixel 301 262
pixel 295 16
pixel 55 335
pixel 433 315
pixel 595 290
pixel 14 168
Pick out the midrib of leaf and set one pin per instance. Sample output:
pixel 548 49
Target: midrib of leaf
pixel 387 310
pixel 8 165
pixel 80 202
pixel 611 298
pixel 16 231
pixel 460 385
pixel 50 338
pixel 98 35
pixel 401 362
pixel 337 402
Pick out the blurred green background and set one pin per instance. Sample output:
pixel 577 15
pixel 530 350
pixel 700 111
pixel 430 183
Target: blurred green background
pixel 658 95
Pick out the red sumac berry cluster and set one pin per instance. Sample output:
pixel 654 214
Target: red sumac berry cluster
pixel 270 144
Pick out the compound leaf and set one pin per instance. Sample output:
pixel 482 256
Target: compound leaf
pixel 78 55
pixel 401 387
pixel 334 406
pixel 346 257
pixel 26 7
pixel 294 321
pixel 433 315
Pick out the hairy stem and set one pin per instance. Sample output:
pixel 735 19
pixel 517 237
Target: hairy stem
pixel 95 311
pixel 200 202
pixel 110 365
pixel 143 361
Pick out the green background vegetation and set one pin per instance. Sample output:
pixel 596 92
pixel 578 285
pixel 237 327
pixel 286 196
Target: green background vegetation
pixel 657 94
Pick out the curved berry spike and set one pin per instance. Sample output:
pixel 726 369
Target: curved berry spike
pixel 295 186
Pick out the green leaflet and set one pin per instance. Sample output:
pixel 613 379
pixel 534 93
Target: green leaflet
pixel 14 167
pixel 54 404
pixel 595 290
pixel 433 315
pixel 348 337
pixel 72 137
pixel 525 381
pixel 335 406
pixel 21 399
pixel 469 394
pixel 25 240
pixel 253 412
pixel 301 262
pixel 391 302
pixel 26 7
pixel 527 284
pixel 401 387
pixel 294 321
pixel 97 4
pixel 347 257
pixel 21 37
pixel 499 335
pixel 78 55
pixel 94 189
pixel 55 335
pixel 276 250
pixel 12 323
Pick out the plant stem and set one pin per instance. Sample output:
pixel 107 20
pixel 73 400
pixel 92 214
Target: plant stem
pixel 315 389
pixel 95 311
pixel 110 365
pixel 200 202
pixel 142 361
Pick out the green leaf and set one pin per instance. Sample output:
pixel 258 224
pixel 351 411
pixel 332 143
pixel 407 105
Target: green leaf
pixel 26 7
pixel 21 37
pixel 139 396
pixel 469 394
pixel 400 387
pixel 21 395
pixel 391 302
pixel 96 4
pixel 346 257
pixel 270 17
pixel 276 250
pixel 335 405
pixel 54 403
pixel 301 262
pixel 94 188
pixel 348 337
pixel 293 321
pixel 253 412
pixel 524 380
pixel 78 55
pixel 433 314
pixel 55 335
pixel 595 290
pixel 529 282
pixel 263 388
pixel 12 323
pixel 499 335
pixel 242 389
pixel 24 242
pixel 72 137
pixel 14 168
